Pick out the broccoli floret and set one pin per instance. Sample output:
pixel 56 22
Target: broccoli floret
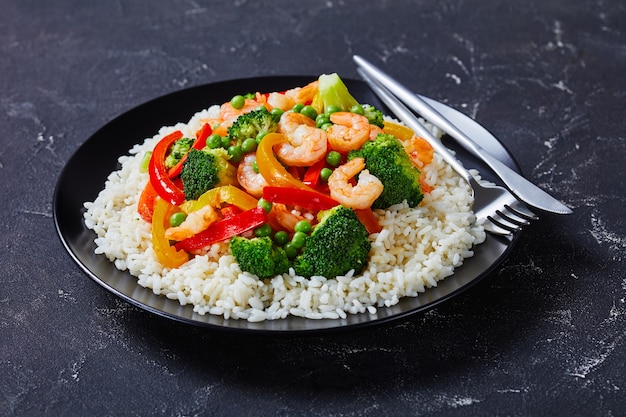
pixel 374 116
pixel 333 92
pixel 250 124
pixel 206 169
pixel 177 151
pixel 386 159
pixel 338 243
pixel 259 256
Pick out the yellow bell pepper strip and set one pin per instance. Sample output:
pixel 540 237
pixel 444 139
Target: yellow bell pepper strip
pixel 228 194
pixel 199 144
pixel 159 177
pixel 270 168
pixel 309 200
pixel 168 256
pixel 224 229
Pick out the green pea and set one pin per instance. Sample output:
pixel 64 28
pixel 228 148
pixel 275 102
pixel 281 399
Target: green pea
pixel 264 230
pixel 297 107
pixel 255 167
pixel 225 142
pixel 249 145
pixel 326 126
pixel 332 109
pixel 309 111
pixel 145 161
pixel 325 174
pixel 358 109
pixel 267 205
pixel 281 237
pixel 298 239
pixel 177 218
pixel 238 101
pixel 303 226
pixel 214 141
pixel 321 119
pixel 276 112
pixel 333 158
pixel 260 136
pixel 235 153
pixel 290 250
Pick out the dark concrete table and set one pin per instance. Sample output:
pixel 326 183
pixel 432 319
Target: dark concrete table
pixel 543 335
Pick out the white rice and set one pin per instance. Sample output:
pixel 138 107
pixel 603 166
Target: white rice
pixel 416 248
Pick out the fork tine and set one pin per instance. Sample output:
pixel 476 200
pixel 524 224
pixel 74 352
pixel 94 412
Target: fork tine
pixel 520 209
pixel 492 226
pixel 512 217
pixel 503 222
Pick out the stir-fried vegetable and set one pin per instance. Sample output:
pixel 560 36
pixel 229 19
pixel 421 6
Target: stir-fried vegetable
pixel 294 149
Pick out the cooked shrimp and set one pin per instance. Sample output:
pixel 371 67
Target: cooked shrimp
pixel 251 181
pixel 285 217
pixel 228 113
pixel 195 222
pixel 306 143
pixel 281 101
pixel 420 151
pixel 374 132
pixel 304 94
pixel 349 131
pixel 359 196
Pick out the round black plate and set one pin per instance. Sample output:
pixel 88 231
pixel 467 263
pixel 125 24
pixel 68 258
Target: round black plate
pixel 86 171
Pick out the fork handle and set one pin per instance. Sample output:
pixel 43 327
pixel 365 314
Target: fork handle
pixel 408 118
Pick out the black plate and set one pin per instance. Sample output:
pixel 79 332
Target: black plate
pixel 86 171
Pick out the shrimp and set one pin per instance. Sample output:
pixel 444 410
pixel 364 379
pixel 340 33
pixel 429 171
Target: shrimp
pixel 360 196
pixel 195 222
pixel 420 151
pixel 228 114
pixel 281 101
pixel 349 131
pixel 251 181
pixel 306 144
pixel 304 94
pixel 285 217
pixel 375 131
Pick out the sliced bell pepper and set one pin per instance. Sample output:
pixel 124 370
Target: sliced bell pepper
pixel 159 177
pixel 199 144
pixel 367 218
pixel 312 175
pixel 228 194
pixel 168 256
pixel 224 229
pixel 309 200
pixel 270 168
pixel 145 206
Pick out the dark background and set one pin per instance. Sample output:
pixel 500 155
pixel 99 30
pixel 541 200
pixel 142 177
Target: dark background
pixel 543 335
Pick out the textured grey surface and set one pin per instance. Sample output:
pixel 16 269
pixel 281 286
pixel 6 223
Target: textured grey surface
pixel 544 335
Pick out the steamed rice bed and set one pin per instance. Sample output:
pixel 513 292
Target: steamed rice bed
pixel 416 248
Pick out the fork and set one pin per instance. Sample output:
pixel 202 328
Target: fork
pixel 499 211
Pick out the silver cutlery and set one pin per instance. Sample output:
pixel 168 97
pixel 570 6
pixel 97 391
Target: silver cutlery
pixel 499 211
pixel 520 186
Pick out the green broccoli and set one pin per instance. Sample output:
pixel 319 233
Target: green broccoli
pixel 333 92
pixel 177 151
pixel 206 169
pixel 338 243
pixel 250 124
pixel 259 256
pixel 386 159
pixel 374 116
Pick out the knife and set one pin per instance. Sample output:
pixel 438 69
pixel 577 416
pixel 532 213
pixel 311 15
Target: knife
pixel 520 186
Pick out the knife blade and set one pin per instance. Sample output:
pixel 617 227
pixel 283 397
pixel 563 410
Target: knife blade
pixel 520 186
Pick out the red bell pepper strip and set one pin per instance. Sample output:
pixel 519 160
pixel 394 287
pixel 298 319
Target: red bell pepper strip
pixel 199 144
pixel 310 200
pixel 224 229
pixel 159 177
pixel 367 218
pixel 312 175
